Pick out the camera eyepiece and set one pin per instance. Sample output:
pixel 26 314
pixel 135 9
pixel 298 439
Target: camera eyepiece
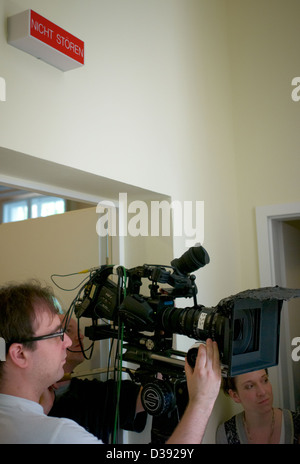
pixel 194 258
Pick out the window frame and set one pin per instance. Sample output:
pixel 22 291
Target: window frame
pixel 28 202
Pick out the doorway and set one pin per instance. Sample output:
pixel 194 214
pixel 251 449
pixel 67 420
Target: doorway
pixel 45 177
pixel 278 235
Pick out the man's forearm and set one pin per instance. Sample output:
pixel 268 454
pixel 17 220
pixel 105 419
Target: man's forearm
pixel 191 428
pixel 203 385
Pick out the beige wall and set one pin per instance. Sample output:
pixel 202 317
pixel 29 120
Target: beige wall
pixel 190 99
pixel 264 57
pixel 61 244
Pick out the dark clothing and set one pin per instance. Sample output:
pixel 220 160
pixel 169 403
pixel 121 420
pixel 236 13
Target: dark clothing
pixel 233 431
pixel 92 404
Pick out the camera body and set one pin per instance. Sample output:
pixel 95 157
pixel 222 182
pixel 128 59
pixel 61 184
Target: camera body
pixel 246 326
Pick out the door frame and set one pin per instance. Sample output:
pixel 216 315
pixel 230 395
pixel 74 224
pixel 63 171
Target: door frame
pixel 272 272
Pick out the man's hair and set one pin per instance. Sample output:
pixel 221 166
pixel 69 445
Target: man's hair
pixel 17 311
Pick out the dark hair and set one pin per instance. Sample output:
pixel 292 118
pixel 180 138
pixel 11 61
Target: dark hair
pixel 228 383
pixel 17 311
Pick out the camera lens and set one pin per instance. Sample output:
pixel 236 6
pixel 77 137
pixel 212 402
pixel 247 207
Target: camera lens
pixel 197 322
pixel 244 339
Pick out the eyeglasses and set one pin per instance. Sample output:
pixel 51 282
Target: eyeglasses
pixel 60 333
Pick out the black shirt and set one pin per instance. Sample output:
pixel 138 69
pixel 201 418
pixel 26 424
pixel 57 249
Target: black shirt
pixel 92 404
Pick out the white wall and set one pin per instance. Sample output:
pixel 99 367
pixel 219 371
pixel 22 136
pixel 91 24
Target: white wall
pixel 264 51
pixel 146 109
pixel 186 98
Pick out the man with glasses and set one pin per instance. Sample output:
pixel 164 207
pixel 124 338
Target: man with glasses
pixel 36 346
pixel 36 353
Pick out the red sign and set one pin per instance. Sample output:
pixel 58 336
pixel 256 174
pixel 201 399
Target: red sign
pixel 56 37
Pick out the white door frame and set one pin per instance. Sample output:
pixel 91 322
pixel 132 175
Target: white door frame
pixel 109 247
pixel 270 254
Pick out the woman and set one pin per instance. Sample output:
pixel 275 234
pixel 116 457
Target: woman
pixel 260 422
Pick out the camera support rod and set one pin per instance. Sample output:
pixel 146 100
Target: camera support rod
pixel 102 370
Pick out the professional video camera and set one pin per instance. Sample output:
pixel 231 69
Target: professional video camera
pixel 246 326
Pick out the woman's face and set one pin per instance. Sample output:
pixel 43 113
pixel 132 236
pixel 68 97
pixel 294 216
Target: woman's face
pixel 253 391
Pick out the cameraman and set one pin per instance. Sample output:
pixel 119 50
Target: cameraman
pixel 36 352
pixel 91 403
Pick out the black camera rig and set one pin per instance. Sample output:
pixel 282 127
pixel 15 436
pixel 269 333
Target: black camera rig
pixel 246 326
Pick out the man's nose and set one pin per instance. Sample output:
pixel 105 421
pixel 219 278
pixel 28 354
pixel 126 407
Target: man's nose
pixel 67 341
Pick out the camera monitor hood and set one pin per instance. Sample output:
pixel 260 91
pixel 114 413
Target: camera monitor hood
pixel 254 333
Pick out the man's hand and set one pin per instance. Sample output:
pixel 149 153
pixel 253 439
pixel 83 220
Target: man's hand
pixel 205 379
pixel 203 386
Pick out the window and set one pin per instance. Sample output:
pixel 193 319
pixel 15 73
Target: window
pixel 32 208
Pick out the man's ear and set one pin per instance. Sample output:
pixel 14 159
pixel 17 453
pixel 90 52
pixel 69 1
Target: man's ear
pixel 234 395
pixel 18 355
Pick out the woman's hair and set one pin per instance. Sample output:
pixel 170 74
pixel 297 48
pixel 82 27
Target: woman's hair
pixel 229 383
